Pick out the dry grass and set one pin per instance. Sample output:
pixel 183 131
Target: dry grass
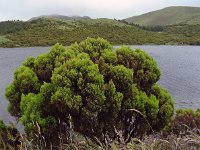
pixel 191 141
pixel 174 139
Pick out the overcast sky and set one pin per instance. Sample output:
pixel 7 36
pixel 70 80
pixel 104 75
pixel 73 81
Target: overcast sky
pixel 119 9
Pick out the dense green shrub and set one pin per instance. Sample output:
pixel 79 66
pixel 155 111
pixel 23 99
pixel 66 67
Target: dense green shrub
pixel 95 88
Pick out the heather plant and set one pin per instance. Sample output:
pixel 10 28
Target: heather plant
pixel 94 88
pixel 9 136
pixel 186 120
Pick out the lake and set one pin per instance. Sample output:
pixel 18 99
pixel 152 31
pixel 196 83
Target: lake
pixel 180 69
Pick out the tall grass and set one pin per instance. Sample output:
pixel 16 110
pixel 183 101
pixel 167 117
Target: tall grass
pixel 190 141
pixel 183 135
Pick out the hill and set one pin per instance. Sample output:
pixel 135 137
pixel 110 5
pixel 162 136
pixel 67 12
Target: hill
pixel 48 31
pixel 168 16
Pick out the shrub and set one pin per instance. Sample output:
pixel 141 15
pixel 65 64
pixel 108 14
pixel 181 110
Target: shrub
pixel 186 120
pixel 93 87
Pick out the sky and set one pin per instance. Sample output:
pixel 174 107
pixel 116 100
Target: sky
pixel 118 9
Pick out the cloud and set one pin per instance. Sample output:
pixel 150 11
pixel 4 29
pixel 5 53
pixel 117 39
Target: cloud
pixel 25 9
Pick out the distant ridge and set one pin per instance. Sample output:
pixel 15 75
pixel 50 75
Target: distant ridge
pixel 55 16
pixel 168 16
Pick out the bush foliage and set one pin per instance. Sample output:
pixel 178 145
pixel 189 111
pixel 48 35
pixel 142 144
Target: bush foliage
pixel 95 88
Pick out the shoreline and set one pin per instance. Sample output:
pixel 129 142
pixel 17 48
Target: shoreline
pixel 115 45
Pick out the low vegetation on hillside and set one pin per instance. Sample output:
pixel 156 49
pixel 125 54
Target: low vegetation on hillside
pixel 3 40
pixel 47 31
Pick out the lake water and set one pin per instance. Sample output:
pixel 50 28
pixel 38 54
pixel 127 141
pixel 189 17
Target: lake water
pixel 180 69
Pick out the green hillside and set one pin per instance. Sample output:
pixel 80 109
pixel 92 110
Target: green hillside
pixel 45 32
pixel 48 31
pixel 168 16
